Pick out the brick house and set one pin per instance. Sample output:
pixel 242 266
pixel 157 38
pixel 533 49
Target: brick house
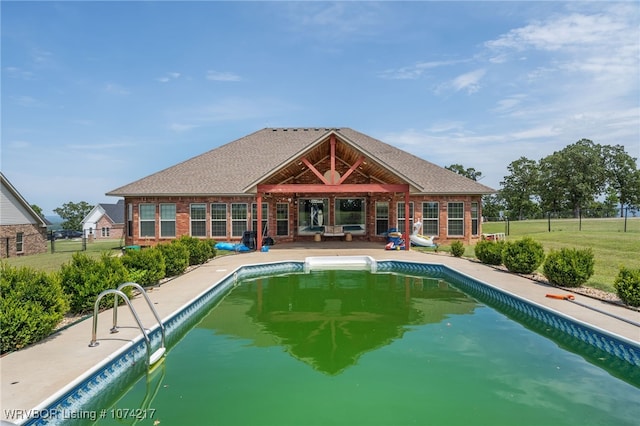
pixel 311 184
pixel 105 221
pixel 22 230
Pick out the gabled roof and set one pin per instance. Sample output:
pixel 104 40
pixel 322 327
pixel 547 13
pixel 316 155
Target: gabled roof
pixel 13 206
pixel 237 167
pixel 115 212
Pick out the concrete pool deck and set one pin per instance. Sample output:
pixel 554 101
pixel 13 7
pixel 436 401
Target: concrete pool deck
pixel 35 375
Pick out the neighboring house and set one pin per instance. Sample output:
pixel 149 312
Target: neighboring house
pixel 105 221
pixel 22 230
pixel 311 184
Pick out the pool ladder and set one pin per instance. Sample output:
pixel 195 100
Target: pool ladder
pixel 152 358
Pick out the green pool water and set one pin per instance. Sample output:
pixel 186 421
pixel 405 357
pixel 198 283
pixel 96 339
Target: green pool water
pixel 355 348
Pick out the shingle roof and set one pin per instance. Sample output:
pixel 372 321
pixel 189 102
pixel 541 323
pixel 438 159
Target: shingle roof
pixel 114 211
pixel 238 165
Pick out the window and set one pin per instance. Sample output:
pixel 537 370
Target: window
pixel 265 218
pixel 198 215
pixel 129 220
pixel 312 215
pixel 238 219
pixel 20 242
pixel 167 220
pixel 455 219
pixel 382 217
pixel 350 211
pixel 147 220
pixel 104 231
pixel 218 220
pixel 474 218
pixel 401 216
pixel 282 219
pixel 430 218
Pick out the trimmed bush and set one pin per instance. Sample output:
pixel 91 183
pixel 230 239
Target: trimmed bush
pixel 489 252
pixel 32 303
pixel 457 248
pixel 569 267
pixel 148 265
pixel 176 258
pixel 627 285
pixel 199 250
pixel 523 256
pixel 84 278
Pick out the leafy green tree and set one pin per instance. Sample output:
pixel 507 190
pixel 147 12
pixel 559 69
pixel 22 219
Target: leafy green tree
pixel 38 210
pixel 470 172
pixel 550 190
pixel 520 186
pixel 73 213
pixel 492 205
pixel 622 176
pixel 573 177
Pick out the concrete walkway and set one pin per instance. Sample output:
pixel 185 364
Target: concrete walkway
pixel 35 375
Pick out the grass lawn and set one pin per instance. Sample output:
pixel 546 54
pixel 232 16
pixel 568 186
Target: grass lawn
pixel 51 262
pixel 612 247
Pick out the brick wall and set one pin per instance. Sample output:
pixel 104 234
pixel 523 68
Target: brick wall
pixel 183 214
pixel 34 240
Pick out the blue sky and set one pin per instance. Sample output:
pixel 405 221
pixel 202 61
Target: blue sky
pixel 96 95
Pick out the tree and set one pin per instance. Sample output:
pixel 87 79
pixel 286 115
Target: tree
pixel 492 206
pixel 622 175
pixel 519 188
pixel 470 173
pixel 38 210
pixel 73 213
pixel 573 177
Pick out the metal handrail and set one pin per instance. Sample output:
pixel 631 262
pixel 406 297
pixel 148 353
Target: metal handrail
pixel 153 310
pixel 94 332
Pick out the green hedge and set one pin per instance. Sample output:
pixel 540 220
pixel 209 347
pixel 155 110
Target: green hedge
pixel 627 285
pixel 176 258
pixel 489 252
pixel 523 256
pixel 457 248
pixel 148 265
pixel 32 303
pixel 199 250
pixel 569 267
pixel 84 278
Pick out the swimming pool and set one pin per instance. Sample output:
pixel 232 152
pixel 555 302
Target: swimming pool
pixel 255 367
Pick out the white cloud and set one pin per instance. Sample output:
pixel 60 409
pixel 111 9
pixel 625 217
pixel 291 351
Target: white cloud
pixel 469 81
pixel 222 76
pixel 15 72
pixel 603 43
pixel 414 71
pixel 168 77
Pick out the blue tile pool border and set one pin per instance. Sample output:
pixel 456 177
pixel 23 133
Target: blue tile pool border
pixel 105 381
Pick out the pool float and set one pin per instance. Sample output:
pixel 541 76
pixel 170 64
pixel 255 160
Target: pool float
pixel 231 247
pixel 561 296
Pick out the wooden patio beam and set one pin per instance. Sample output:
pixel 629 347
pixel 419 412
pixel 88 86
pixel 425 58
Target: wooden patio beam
pixel 314 170
pixel 343 188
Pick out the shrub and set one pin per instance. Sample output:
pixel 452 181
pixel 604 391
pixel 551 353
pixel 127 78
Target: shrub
pixel 199 250
pixel 176 258
pixel 148 265
pixel 84 278
pixel 627 285
pixel 32 303
pixel 489 252
pixel 569 267
pixel 523 256
pixel 457 248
